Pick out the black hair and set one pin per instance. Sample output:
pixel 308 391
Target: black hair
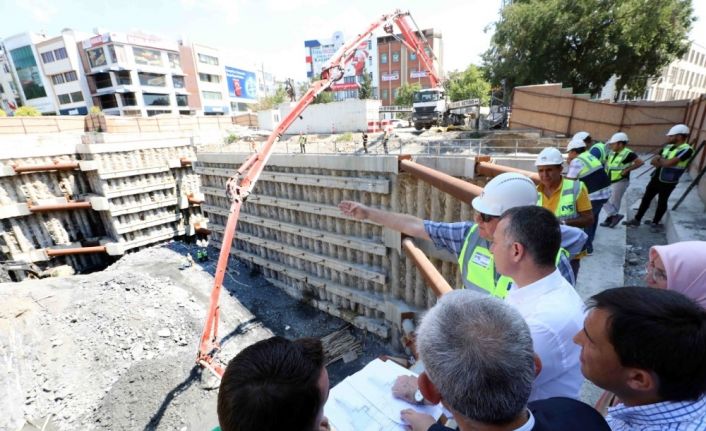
pixel 661 331
pixel 272 385
pixel 537 229
pixel 579 150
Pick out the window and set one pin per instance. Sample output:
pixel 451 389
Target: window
pixel 64 99
pixel 28 72
pixel 96 57
pixel 70 76
pixel 57 79
pixel 152 79
pixel 394 92
pixel 60 53
pixel 412 56
pixel 156 99
pixel 111 52
pixel 47 57
pixel 182 100
pixel 384 93
pixel 174 61
pixel 208 59
pixel 212 95
pixel 152 113
pixel 383 58
pixel 117 53
pixel 149 57
pixel 178 81
pixel 123 77
pixel 129 99
pixel 207 77
pixel 395 57
pixel 77 97
pixel 102 80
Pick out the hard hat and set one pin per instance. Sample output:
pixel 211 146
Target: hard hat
pixel 575 144
pixel 505 191
pixel 549 156
pixel 619 137
pixel 679 129
pixel 581 136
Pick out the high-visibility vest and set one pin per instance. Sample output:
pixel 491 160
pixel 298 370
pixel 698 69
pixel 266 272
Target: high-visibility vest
pixel 566 208
pixel 602 149
pixel 593 174
pixel 478 266
pixel 616 164
pixel 673 173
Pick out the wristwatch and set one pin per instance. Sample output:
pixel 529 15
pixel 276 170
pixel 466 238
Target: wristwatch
pixel 418 397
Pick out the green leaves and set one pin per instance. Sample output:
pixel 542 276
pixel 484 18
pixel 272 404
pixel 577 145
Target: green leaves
pixel 405 94
pixel 468 84
pixel 582 43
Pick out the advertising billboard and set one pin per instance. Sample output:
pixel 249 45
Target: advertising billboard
pixel 28 72
pixel 241 83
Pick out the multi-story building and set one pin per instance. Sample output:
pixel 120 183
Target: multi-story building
pixel 9 95
pixel 62 67
pixel 25 67
pixel 398 66
pixel 135 74
pixel 320 51
pixel 205 79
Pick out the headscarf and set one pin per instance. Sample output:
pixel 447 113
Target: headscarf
pixel 685 264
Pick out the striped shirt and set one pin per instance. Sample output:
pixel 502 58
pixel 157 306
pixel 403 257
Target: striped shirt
pixel 666 416
pixel 450 236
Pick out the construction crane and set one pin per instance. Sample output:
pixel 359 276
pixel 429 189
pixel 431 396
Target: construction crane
pixel 241 184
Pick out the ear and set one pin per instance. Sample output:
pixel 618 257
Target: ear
pixel 518 250
pixel 640 380
pixel 537 365
pixel 427 388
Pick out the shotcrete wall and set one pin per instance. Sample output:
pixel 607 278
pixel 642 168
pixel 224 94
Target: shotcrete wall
pixel 291 228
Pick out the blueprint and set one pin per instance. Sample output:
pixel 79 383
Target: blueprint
pixel 364 401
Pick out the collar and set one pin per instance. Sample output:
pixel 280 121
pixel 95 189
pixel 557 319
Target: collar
pixel 663 413
pixel 533 290
pixel 540 187
pixel 529 425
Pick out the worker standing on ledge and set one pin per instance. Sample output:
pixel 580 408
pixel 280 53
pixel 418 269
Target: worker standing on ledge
pixel 302 143
pixel 365 143
pixel 621 161
pixel 566 199
pixel 470 241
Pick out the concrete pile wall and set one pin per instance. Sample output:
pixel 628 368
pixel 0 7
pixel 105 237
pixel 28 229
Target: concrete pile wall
pixel 292 230
pixel 350 115
pixel 135 188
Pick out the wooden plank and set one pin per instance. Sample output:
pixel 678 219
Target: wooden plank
pixel 347 183
pixel 341 240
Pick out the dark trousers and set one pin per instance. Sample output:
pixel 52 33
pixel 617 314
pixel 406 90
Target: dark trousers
pixel 662 191
pixel 591 230
pixel 575 266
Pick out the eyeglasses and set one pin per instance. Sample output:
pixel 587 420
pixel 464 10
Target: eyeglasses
pixel 656 273
pixel 486 217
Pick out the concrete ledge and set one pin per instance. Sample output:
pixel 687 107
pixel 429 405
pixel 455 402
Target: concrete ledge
pixel 114 249
pixel 88 165
pixel 347 162
pixel 99 203
pixel 7 171
pixel 451 165
pixel 108 175
pixel 688 221
pixel 14 210
pixel 40 145
pixel 121 147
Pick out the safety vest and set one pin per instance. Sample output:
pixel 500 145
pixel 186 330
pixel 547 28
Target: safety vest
pixel 602 149
pixel 673 173
pixel 478 266
pixel 566 208
pixel 593 173
pixel 616 164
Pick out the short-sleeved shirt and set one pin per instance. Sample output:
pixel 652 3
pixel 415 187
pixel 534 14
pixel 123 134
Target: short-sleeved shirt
pixel 451 236
pixel 573 172
pixel 583 203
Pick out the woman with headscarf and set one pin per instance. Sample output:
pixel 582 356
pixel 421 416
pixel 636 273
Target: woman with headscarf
pixel 680 267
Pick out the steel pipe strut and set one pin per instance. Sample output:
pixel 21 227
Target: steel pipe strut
pixel 56 166
pixel 59 207
pixel 491 169
pixel 435 281
pixel 460 189
pixel 52 252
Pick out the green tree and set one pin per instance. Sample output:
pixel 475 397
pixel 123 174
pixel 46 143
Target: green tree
pixel 272 101
pixel 323 97
pixel 405 94
pixel 468 84
pixel 582 43
pixel 366 86
pixel 27 111
pixel 2 113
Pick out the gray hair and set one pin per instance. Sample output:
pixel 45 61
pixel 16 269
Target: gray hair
pixel 478 353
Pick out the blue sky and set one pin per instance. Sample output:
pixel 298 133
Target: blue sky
pixel 269 32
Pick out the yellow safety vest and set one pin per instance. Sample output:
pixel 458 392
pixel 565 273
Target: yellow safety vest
pixel 566 209
pixel 600 146
pixel 593 174
pixel 672 174
pixel 616 164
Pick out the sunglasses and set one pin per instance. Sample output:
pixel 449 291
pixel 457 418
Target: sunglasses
pixel 486 217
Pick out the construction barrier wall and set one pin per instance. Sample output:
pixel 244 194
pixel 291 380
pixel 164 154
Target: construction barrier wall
pixel 351 115
pixel 556 111
pixel 291 228
pixel 696 120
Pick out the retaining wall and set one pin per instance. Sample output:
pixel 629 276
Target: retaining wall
pixel 351 115
pixel 291 228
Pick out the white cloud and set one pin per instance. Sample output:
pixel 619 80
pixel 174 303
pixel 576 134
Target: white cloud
pixel 41 11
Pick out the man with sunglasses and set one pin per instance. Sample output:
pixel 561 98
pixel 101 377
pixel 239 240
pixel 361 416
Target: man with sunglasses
pixel 470 241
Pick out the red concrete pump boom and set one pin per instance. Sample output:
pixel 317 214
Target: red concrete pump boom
pixel 240 185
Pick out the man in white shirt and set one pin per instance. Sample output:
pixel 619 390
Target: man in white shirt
pixel 525 243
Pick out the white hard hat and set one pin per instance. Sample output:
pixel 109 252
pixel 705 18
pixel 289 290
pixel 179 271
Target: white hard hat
pixel 549 156
pixel 618 137
pixel 679 129
pixel 581 136
pixel 575 144
pixel 508 190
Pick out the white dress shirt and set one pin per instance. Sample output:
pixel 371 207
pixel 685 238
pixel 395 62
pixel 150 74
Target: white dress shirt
pixel 554 312
pixel 574 168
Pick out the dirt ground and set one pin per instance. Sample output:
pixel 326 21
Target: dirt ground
pixel 115 350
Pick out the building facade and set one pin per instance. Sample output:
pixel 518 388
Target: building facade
pixel 684 78
pixel 205 79
pixel 9 93
pixel 319 52
pixel 135 74
pixel 399 66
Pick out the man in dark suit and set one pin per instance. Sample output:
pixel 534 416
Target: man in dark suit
pixel 480 365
